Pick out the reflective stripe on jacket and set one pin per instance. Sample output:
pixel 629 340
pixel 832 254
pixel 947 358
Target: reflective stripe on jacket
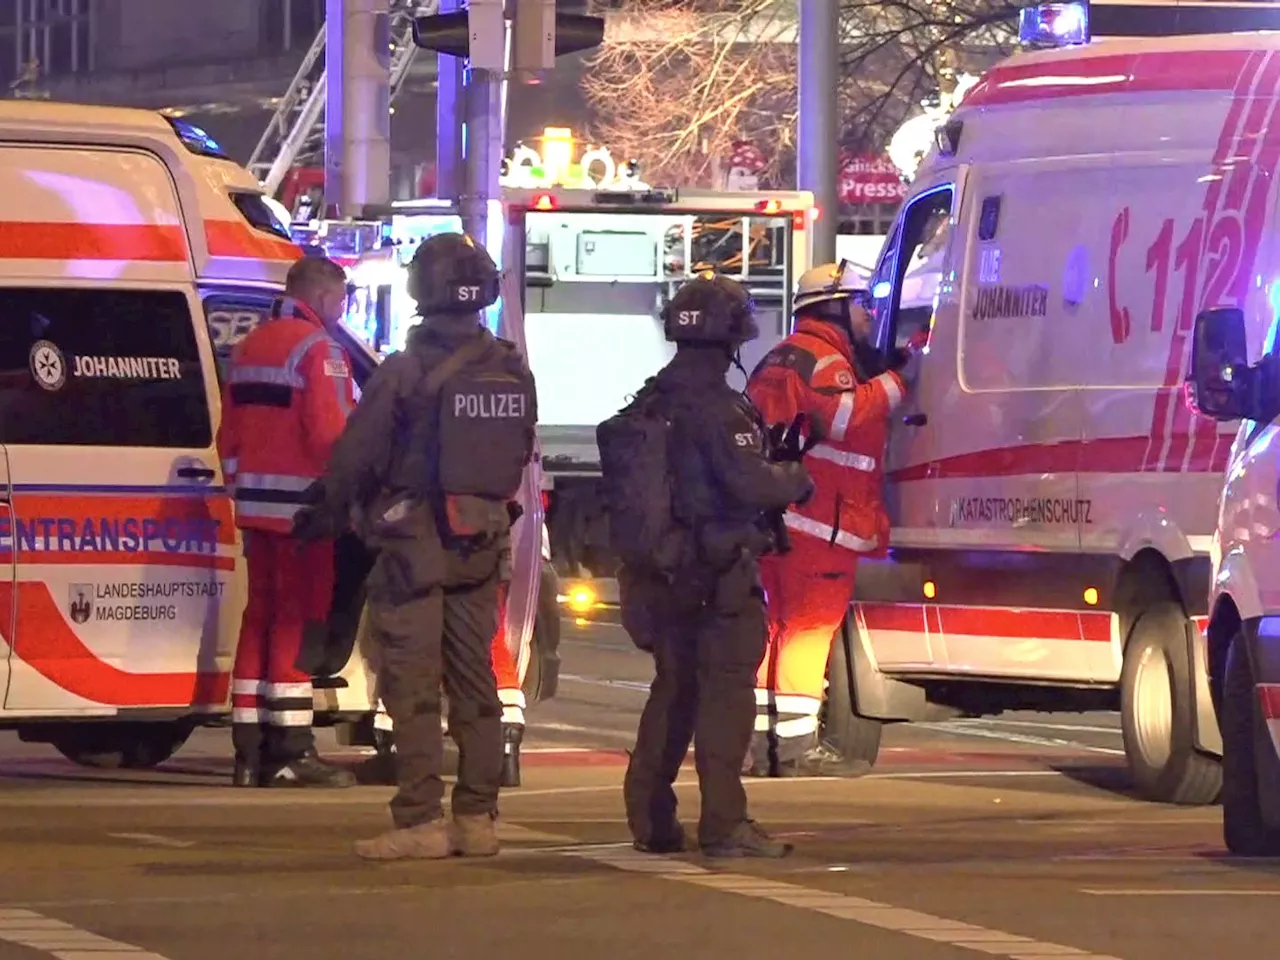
pixel 811 372
pixel 287 397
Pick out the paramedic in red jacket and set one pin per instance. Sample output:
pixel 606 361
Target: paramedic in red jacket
pixel 287 397
pixel 821 371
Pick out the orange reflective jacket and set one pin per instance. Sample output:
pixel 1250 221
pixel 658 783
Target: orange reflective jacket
pixel 811 372
pixel 287 397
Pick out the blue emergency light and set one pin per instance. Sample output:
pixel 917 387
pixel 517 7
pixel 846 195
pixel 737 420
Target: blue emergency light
pixel 1054 25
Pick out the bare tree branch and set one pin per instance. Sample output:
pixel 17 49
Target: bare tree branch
pixel 677 82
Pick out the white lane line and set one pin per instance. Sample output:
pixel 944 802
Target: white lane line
pixel 26 928
pixel 574 728
pixel 639 686
pixel 963 731
pixel 159 796
pixel 1157 892
pixel 870 913
pixel 1036 725
pixel 154 840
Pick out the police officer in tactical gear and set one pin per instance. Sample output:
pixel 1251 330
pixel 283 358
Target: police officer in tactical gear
pixel 705 621
pixel 430 462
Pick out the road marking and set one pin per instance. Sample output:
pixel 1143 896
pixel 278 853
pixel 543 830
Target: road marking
pixel 639 686
pixel 153 840
pixel 1157 892
pixel 574 728
pixel 1039 725
pixel 968 731
pixel 870 913
pixel 163 795
pixel 27 928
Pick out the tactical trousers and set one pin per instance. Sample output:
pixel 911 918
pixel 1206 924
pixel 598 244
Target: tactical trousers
pixel 432 640
pixel 706 643
pixel 290 593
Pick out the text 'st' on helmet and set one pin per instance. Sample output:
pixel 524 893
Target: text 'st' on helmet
pixel 451 273
pixel 824 291
pixel 710 309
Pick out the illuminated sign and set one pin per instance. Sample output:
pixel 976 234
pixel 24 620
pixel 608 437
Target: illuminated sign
pixel 555 167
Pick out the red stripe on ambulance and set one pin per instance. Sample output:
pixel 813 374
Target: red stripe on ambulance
pixel 1166 71
pixel 999 622
pixel 1102 455
pixel 227 238
pixel 24 240
pixel 47 643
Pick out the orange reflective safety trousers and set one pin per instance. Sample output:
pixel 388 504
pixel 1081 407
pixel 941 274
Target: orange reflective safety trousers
pixel 809 589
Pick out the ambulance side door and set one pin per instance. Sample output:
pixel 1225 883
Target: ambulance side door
pixel 912 308
pixel 122 537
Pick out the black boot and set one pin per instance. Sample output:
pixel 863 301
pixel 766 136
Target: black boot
pixel 308 771
pixel 247 773
pixel 512 734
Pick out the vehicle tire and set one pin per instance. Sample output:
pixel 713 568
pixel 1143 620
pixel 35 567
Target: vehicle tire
pixel 856 738
pixel 1157 712
pixel 1245 744
pixel 116 746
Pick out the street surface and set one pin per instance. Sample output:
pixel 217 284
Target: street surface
pixel 1007 838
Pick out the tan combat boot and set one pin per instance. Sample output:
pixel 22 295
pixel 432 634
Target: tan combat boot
pixel 432 840
pixel 475 835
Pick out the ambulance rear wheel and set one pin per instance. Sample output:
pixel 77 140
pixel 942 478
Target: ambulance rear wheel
pixel 856 738
pixel 1157 712
pixel 121 746
pixel 1246 746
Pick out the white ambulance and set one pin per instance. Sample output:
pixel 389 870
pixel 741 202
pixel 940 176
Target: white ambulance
pixel 1053 495
pixel 123 582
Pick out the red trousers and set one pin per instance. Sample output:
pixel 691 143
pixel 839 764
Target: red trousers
pixel 808 592
pixel 290 593
pixel 506 667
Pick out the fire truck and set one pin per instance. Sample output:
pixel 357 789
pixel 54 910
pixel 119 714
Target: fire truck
pixel 588 271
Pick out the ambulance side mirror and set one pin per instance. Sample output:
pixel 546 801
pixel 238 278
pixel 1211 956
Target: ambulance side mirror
pixel 1221 384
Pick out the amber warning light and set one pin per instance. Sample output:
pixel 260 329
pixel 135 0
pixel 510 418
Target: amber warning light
pixel 544 201
pixel 769 206
pixel 580 598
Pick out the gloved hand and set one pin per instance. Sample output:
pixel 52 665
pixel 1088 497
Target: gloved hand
pixel 906 363
pixel 804 484
pixel 315 523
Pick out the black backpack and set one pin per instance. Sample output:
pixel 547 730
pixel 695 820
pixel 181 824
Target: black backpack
pixel 486 423
pixel 634 447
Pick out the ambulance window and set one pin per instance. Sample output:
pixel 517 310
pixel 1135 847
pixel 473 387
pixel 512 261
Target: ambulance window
pixel 92 367
pixel 905 283
pixel 232 313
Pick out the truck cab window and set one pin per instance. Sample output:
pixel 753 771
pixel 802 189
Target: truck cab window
pixel 905 284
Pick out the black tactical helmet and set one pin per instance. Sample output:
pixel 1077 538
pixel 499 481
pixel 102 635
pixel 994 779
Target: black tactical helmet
pixel 710 309
pixel 451 273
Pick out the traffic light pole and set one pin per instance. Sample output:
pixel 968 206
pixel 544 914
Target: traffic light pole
pixel 357 147
pixel 482 145
pixel 450 72
pixel 471 111
pixel 819 55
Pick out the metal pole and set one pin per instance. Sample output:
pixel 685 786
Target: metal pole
pixel 482 145
pixel 818 65
pixel 357 149
pixel 449 118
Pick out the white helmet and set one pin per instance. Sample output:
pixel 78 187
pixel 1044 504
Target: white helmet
pixel 830 281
